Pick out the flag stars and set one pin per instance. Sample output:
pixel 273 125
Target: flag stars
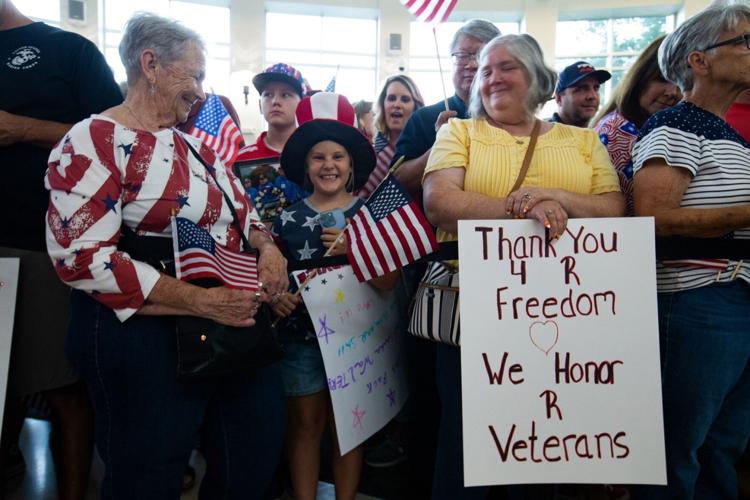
pixel 60 262
pixel 110 203
pixel 65 222
pixel 306 252
pixel 126 148
pixel 310 222
pixel 287 216
pixel 109 266
pixel 182 200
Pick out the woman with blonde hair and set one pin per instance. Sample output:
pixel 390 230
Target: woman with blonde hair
pixel 397 101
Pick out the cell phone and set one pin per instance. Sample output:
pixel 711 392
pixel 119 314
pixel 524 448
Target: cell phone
pixel 333 218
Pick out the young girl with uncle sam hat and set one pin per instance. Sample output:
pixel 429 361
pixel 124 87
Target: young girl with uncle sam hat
pixel 330 158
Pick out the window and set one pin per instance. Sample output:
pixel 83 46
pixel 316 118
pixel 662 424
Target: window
pixel 210 21
pixel 423 64
pixel 40 10
pixel 314 45
pixel 611 44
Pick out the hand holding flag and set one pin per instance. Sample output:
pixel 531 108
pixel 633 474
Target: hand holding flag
pixel 387 233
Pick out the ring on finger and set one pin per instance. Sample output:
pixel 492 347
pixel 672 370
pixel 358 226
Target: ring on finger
pixel 549 212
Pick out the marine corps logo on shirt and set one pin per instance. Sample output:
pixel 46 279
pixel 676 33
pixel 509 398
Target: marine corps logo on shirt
pixel 23 58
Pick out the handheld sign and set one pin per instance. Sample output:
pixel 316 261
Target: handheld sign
pixel 560 353
pixel 362 351
pixel 8 290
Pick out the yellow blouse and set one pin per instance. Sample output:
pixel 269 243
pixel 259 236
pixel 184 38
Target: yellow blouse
pixel 565 157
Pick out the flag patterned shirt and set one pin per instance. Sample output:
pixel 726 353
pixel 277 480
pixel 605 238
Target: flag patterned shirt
pixel 299 230
pixel 618 134
pixel 384 152
pixel 718 159
pixel 102 175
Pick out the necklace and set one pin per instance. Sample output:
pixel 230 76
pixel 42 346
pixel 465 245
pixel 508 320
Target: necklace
pixel 136 117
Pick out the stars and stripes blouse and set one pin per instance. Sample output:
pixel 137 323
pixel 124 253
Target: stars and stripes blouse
pixel 718 158
pixel 618 134
pixel 102 175
pixel 384 154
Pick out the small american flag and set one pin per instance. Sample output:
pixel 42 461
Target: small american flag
pixel 215 127
pixel 331 87
pixel 387 233
pixel 197 255
pixel 430 11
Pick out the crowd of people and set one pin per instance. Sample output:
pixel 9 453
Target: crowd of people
pixel 90 167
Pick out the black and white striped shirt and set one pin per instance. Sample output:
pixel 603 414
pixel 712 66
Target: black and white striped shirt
pixel 718 158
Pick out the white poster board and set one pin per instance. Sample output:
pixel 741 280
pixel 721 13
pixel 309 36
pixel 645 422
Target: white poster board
pixel 9 268
pixel 560 353
pixel 362 351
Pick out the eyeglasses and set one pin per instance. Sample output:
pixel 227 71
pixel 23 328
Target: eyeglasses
pixel 464 58
pixel 745 37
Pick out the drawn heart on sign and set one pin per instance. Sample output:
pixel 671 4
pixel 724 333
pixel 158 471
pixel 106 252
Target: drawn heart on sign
pixel 544 335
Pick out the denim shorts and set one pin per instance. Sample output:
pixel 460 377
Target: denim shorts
pixel 302 369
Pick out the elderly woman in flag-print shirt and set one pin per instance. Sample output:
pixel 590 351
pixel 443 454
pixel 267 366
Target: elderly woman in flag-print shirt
pixel 129 168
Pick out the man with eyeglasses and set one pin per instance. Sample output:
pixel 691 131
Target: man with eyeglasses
pixel 577 94
pixel 414 147
pixel 418 136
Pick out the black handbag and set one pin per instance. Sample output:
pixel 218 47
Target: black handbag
pixel 207 349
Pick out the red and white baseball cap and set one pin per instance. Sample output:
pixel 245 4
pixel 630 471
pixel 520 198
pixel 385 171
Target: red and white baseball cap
pixel 326 116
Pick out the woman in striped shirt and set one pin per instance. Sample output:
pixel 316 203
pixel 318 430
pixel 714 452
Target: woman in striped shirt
pixel 693 176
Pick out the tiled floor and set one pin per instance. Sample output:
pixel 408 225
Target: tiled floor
pixel 39 481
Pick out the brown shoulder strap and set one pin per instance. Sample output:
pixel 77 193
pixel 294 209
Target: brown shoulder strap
pixel 527 157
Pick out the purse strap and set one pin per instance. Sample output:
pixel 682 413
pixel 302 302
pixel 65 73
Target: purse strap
pixel 245 242
pixel 527 157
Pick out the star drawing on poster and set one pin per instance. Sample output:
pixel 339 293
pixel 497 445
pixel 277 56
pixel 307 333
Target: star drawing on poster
pixel 358 416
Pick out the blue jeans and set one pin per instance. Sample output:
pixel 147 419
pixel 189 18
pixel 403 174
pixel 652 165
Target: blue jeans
pixel 147 422
pixel 705 350
pixel 448 480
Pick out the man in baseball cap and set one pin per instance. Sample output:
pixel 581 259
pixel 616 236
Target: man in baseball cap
pixel 577 93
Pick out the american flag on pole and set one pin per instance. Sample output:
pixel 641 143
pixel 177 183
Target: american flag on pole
pixel 331 87
pixel 387 233
pixel 197 255
pixel 430 11
pixel 215 127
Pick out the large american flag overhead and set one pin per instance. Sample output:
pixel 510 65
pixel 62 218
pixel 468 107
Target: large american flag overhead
pixel 430 11
pixel 215 127
pixel 197 255
pixel 387 233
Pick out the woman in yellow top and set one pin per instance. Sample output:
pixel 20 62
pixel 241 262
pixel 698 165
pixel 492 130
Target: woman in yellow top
pixel 474 164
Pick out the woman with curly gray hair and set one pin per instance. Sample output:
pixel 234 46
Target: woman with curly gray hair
pixel 470 173
pixel 692 174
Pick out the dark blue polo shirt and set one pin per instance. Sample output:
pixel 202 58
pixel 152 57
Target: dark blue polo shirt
pixel 419 133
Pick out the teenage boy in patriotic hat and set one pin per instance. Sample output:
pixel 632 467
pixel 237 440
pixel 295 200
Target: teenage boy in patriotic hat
pixel 577 94
pixel 281 87
pixel 330 157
